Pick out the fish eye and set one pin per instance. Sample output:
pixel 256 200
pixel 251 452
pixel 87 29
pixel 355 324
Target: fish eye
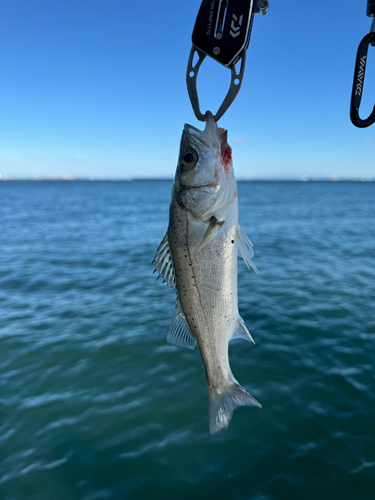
pixel 189 159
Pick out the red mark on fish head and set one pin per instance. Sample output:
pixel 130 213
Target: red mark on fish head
pixel 225 150
pixel 226 157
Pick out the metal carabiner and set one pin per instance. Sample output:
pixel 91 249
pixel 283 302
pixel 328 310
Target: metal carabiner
pixel 358 82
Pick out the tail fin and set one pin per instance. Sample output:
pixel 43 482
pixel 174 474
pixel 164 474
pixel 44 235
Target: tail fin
pixel 223 404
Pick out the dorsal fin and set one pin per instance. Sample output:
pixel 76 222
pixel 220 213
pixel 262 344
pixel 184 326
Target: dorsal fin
pixel 179 333
pixel 164 262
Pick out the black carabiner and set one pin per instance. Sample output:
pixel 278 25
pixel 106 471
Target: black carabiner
pixel 358 82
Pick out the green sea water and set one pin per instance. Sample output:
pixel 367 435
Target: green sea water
pixel 94 403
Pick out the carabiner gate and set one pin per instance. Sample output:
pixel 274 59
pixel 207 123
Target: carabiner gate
pixel 358 82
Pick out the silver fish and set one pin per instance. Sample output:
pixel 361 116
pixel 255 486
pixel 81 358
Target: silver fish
pixel 198 257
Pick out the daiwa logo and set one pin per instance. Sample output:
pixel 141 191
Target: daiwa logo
pixel 235 30
pixel 361 76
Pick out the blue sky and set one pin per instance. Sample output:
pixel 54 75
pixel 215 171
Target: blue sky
pixel 96 88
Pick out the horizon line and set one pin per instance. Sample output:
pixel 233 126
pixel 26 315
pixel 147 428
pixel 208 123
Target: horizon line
pixel 240 179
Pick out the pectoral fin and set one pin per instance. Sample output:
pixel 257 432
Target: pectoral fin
pixel 245 248
pixel 164 262
pixel 212 229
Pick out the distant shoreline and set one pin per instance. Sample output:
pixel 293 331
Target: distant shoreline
pixel 170 179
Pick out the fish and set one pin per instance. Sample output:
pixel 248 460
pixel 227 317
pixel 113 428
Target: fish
pixel 198 258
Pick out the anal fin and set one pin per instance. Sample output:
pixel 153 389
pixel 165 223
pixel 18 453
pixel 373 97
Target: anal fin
pixel 242 332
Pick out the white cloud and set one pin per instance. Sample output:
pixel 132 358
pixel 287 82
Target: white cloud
pixel 34 157
pixel 239 139
pixel 8 160
pixel 79 158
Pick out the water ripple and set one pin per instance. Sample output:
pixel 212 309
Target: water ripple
pixel 94 402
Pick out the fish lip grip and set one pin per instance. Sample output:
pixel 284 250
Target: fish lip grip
pixel 222 31
pixel 191 80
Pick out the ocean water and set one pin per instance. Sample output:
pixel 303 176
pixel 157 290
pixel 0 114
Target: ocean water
pixel 94 404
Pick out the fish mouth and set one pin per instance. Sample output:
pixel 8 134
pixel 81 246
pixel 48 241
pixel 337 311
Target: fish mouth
pixel 211 126
pixel 206 136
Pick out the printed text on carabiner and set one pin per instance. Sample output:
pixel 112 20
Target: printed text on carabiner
pixel 361 75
